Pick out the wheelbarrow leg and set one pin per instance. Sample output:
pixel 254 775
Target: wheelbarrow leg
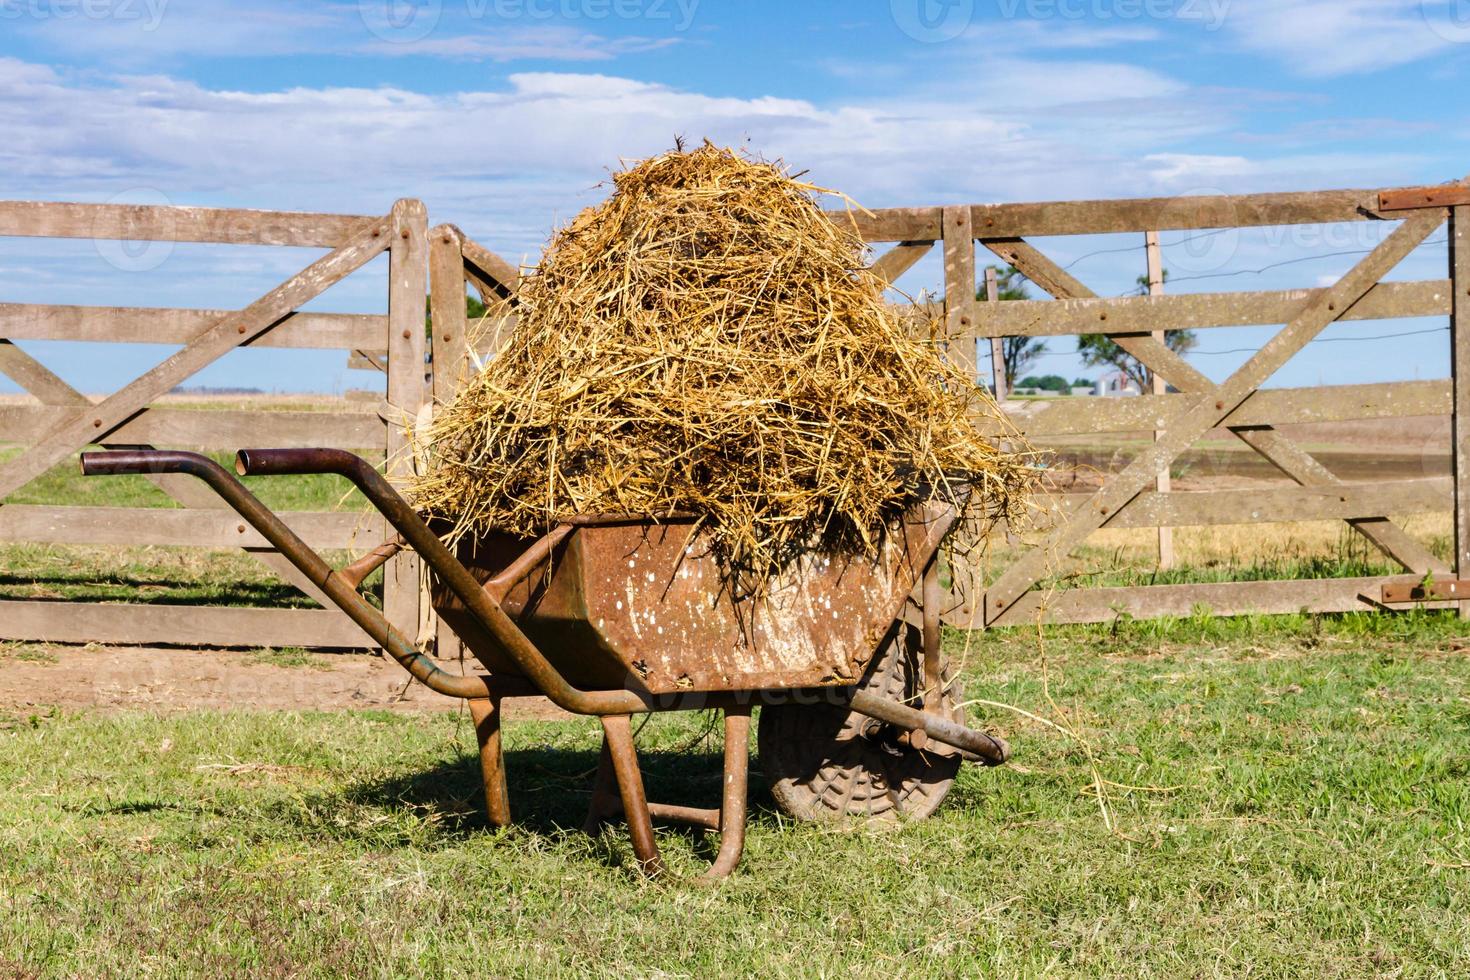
pixel 732 807
pixel 485 712
pixel 617 732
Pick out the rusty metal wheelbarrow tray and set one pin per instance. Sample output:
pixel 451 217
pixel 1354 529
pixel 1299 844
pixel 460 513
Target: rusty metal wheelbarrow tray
pixel 610 616
pixel 614 602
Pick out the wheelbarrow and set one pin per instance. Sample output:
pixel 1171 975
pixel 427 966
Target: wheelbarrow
pixel 612 615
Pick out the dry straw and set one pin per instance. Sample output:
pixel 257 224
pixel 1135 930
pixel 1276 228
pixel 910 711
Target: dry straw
pixel 708 341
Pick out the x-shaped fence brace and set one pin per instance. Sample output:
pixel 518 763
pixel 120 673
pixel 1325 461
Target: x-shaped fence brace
pixel 401 232
pixel 1203 405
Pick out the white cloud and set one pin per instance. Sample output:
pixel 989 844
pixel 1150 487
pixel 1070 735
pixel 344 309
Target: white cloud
pixel 506 162
pixel 1189 173
pixel 147 32
pixel 1011 82
pixel 1326 38
pixel 1177 168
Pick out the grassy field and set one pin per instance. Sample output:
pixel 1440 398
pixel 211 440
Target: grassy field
pixel 1284 797
pixel 1269 796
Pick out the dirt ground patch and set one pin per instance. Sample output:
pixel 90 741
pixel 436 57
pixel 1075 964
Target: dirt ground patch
pixel 37 677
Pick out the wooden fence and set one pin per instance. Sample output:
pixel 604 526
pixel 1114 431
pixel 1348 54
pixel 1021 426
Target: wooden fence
pixel 443 261
pixel 58 420
pixel 1134 497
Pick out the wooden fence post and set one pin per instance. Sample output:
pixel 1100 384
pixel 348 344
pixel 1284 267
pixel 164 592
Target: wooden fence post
pixel 997 344
pixel 449 325
pixel 1155 265
pixel 1460 385
pixel 959 287
pixel 447 310
pixel 407 287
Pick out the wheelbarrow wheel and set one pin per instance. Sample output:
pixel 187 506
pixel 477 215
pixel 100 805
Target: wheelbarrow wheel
pixel 826 763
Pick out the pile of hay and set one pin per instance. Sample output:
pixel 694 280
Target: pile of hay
pixel 708 341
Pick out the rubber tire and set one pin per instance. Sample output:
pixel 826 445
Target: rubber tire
pixel 820 768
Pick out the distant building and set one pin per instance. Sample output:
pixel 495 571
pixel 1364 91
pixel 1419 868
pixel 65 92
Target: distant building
pixel 1116 384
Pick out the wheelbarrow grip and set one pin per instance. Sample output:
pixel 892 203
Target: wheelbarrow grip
pixel 127 462
pixel 294 462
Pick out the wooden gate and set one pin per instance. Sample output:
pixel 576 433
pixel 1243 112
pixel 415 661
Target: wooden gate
pixel 1130 498
pixel 59 421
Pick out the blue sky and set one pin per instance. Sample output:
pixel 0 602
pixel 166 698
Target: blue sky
pixel 503 115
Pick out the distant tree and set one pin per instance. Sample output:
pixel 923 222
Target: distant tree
pixel 1083 383
pixel 1046 382
pixel 1017 353
pixel 1098 351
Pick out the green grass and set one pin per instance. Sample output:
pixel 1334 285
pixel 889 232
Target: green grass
pixel 1349 557
pixel 1306 793
pixel 1104 568
pixel 286 657
pixel 26 653
pixel 171 576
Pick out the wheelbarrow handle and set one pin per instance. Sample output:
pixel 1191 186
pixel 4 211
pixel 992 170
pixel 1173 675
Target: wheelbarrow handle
pixel 402 515
pixel 286 541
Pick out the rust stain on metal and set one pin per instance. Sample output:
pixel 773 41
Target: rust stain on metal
pixel 1438 196
pixel 1433 590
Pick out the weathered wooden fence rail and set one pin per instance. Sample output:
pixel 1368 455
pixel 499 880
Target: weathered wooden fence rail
pixel 59 420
